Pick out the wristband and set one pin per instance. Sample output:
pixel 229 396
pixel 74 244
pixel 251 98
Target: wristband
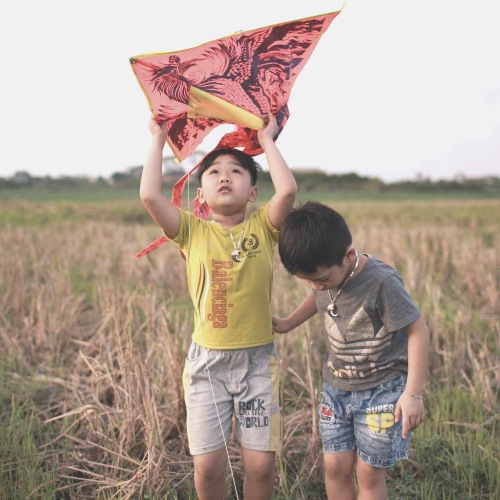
pixel 416 396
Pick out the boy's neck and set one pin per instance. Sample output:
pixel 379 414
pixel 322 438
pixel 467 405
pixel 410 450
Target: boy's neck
pixel 228 220
pixel 363 259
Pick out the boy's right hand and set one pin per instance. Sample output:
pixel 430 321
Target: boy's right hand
pixel 157 129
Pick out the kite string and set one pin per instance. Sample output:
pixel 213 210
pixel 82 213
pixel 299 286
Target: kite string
pixel 201 335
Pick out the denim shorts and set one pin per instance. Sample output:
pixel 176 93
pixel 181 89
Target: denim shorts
pixel 364 421
pixel 220 385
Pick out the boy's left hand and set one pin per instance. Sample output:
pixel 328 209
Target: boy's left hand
pixel 280 325
pixel 412 412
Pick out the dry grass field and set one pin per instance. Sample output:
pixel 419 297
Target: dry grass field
pixel 92 346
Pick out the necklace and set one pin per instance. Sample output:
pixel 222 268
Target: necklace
pixel 235 254
pixel 332 308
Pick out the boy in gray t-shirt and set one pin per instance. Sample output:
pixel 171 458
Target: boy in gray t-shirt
pixel 377 342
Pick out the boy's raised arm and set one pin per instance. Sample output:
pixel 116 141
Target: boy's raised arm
pixel 284 183
pixel 159 207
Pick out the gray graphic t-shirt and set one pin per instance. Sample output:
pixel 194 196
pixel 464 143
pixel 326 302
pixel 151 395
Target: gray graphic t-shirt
pixel 367 342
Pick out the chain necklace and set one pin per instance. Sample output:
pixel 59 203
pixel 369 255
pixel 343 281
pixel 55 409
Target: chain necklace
pixel 332 308
pixel 235 254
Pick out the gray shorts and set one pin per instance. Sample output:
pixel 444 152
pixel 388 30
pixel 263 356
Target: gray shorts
pixel 221 383
pixel 364 420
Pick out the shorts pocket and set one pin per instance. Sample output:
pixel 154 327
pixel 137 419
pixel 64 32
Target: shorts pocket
pixel 395 385
pixel 195 352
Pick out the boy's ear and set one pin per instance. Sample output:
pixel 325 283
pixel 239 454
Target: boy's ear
pixel 351 252
pixel 253 193
pixel 199 195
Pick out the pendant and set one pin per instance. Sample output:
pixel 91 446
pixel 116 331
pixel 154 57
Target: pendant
pixel 235 255
pixel 332 310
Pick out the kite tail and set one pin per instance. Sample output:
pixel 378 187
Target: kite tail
pixel 152 246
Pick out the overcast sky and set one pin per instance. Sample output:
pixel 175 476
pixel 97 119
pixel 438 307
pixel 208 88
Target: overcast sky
pixel 393 89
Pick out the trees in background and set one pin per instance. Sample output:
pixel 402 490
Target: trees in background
pixel 309 181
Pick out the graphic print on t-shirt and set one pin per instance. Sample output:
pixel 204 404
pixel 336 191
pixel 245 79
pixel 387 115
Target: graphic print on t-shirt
pixel 358 353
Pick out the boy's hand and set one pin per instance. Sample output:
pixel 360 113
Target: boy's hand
pixel 280 325
pixel 269 132
pixel 157 129
pixel 412 411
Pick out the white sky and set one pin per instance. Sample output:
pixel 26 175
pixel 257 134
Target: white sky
pixel 393 89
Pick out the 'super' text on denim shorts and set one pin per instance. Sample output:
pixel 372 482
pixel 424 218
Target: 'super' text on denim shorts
pixel 364 421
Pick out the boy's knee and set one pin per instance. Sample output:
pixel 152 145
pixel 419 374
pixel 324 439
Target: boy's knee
pixel 259 466
pixel 370 477
pixel 338 473
pixel 210 467
pixel 209 475
pixel 339 466
pixel 260 474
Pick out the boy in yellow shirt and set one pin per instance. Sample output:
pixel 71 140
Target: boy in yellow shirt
pixel 232 365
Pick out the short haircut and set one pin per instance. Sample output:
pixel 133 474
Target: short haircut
pixel 313 235
pixel 246 161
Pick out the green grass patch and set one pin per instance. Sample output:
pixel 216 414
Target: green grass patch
pixel 26 471
pixel 454 454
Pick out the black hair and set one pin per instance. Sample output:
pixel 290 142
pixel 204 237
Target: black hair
pixel 246 161
pixel 313 235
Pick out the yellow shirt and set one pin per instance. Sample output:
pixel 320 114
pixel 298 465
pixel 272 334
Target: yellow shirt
pixel 232 300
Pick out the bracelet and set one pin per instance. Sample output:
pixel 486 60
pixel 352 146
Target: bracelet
pixel 416 396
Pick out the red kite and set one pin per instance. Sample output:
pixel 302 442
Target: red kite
pixel 237 79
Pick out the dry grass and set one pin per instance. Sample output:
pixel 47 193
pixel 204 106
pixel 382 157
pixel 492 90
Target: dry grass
pixel 102 339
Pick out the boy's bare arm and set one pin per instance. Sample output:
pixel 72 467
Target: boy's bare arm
pixel 418 356
pixel 284 183
pixel 410 405
pixel 160 208
pixel 306 310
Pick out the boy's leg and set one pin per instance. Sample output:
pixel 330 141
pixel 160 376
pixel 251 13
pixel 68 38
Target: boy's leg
pixel 257 408
pixel 209 414
pixel 260 474
pixel 336 429
pixel 371 482
pixel 210 475
pixel 379 439
pixel 339 479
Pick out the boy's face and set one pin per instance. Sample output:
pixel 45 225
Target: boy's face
pixel 226 184
pixel 326 278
